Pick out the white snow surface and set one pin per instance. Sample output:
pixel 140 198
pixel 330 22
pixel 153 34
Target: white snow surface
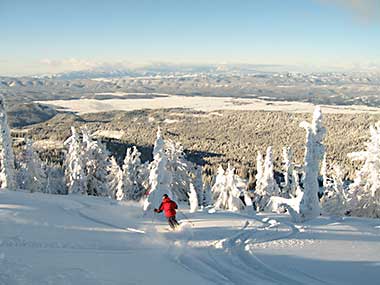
pixel 51 239
pixel 200 103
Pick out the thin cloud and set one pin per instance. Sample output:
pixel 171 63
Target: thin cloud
pixel 71 64
pixel 367 10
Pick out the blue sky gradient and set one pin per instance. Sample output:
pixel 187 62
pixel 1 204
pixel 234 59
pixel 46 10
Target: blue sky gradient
pixel 51 36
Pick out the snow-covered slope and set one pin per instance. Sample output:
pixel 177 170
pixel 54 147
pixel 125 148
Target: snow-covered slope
pixel 51 239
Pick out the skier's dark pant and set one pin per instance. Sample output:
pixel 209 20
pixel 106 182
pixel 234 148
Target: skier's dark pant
pixel 173 222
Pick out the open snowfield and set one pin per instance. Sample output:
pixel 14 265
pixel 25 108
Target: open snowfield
pixel 199 103
pixel 51 239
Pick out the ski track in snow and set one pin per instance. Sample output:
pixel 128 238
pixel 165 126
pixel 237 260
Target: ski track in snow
pixel 198 249
pixel 239 264
pixel 19 242
pixel 100 222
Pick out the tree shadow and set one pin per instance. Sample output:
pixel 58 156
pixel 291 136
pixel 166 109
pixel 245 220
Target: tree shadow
pixel 118 149
pixel 198 156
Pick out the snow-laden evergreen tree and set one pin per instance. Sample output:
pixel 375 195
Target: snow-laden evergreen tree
pixel 160 178
pixel 183 171
pixel 228 190
pixel 97 164
pixel 267 185
pixel 7 161
pixel 305 205
pixel 219 183
pixel 193 199
pixel 334 200
pixel 159 144
pixel 32 173
pixel 115 180
pixel 315 150
pixel 133 175
pixel 288 186
pixel 75 165
pixel 259 169
pixel 364 193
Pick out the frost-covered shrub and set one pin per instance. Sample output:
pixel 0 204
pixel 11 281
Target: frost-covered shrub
pixel 115 180
pixel 32 174
pixel 364 193
pixel 288 187
pixel 334 199
pixel 97 162
pixel 193 199
pixel 134 174
pixel 227 190
pixel 266 185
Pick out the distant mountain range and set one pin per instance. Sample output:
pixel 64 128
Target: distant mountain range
pixel 164 69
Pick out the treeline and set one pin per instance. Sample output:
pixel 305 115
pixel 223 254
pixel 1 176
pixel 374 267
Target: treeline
pixel 305 191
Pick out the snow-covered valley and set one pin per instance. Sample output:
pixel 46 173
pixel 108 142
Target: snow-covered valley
pixel 50 239
pixel 198 103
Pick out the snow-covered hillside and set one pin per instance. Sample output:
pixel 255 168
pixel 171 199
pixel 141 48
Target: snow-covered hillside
pixel 54 239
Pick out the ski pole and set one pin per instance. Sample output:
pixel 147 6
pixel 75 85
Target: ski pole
pixel 153 217
pixel 191 223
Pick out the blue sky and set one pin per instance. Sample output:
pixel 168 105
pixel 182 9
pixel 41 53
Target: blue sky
pixel 52 36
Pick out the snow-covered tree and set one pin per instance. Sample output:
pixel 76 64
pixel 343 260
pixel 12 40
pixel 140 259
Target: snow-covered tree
pixel 267 185
pixel 219 183
pixel 193 199
pixel 115 180
pixel 7 161
pixel 334 200
pixel 97 163
pixel 183 171
pixel 364 193
pixel 279 204
pixel 305 205
pixel 160 179
pixel 159 144
pixel 75 165
pixel 32 173
pixel 288 186
pixel 228 189
pixel 315 150
pixel 133 175
pixel 259 169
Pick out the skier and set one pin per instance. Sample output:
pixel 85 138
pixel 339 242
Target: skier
pixel 169 207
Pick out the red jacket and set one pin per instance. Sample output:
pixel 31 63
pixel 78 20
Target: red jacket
pixel 168 206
